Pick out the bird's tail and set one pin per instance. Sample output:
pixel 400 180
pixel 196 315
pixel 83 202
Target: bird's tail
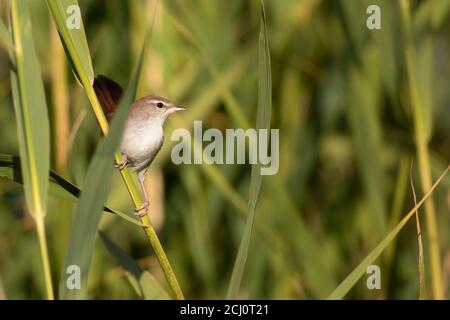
pixel 108 93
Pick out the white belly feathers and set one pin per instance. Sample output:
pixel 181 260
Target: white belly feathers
pixel 141 142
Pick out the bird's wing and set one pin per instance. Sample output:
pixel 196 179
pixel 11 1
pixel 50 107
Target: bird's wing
pixel 108 93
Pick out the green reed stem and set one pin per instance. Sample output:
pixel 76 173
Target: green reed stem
pixel 423 156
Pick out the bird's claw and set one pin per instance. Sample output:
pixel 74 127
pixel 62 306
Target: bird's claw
pixel 142 210
pixel 122 164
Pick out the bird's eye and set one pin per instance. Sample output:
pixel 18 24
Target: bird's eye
pixel 160 105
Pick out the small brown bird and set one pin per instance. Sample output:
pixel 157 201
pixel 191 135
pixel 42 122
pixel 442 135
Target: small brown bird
pixel 143 135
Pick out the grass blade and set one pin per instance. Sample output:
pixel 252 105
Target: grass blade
pixel 33 125
pixel 262 122
pixel 59 187
pixel 421 264
pixel 419 68
pixel 74 40
pixel 142 281
pixel 89 209
pixel 75 45
pixel 348 283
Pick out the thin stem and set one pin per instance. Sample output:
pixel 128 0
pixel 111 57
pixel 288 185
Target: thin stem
pixel 421 266
pixel 35 196
pixel 163 261
pixel 44 255
pixel 430 216
pixel 422 137
pixel 151 234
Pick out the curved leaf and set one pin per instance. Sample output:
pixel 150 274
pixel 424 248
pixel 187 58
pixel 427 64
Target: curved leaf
pixel 32 124
pixel 143 282
pixel 348 283
pixel 59 187
pixel 262 122
pixel 73 39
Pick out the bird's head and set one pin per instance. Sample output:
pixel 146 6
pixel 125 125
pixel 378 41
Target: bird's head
pixel 158 107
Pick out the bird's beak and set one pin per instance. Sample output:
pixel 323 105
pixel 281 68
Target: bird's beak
pixel 176 109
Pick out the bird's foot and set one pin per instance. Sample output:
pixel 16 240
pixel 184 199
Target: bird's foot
pixel 142 210
pixel 123 163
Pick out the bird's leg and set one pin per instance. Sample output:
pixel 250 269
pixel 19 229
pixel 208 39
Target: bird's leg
pixel 142 211
pixel 123 162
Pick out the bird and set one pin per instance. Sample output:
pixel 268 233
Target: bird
pixel 143 135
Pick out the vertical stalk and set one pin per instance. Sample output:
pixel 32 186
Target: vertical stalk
pixel 45 260
pixel 162 258
pixel 430 218
pixel 421 265
pixel 23 58
pixel 421 139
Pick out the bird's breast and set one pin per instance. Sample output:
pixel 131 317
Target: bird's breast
pixel 141 141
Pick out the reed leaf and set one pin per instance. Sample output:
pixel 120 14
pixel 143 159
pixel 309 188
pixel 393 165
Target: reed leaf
pixel 348 283
pixel 32 123
pixel 419 60
pixel 59 187
pixel 75 45
pixel 73 39
pixel 145 285
pixel 421 263
pixel 262 122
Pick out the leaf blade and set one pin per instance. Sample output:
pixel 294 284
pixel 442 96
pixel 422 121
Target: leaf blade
pixel 144 283
pixel 344 287
pixel 58 186
pixel 263 122
pixel 73 39
pixel 32 121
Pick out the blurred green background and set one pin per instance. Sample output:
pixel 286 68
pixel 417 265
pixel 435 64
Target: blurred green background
pixel 342 102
